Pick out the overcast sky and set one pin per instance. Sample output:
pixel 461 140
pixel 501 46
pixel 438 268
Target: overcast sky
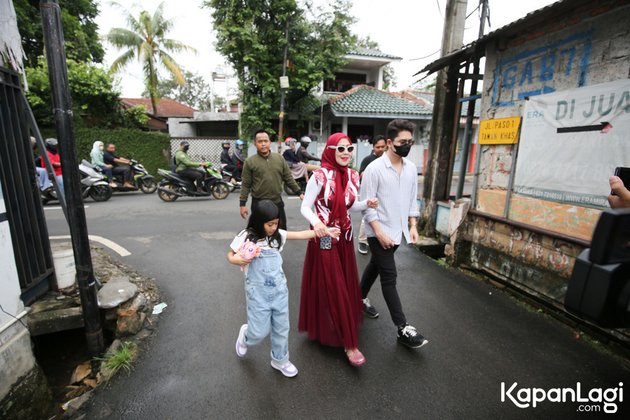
pixel 410 29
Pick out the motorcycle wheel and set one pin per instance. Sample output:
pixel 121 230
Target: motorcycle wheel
pixel 165 195
pixel 220 190
pixel 101 192
pixel 148 186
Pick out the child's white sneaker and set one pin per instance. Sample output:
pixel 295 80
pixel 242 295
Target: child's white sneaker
pixel 288 369
pixel 241 347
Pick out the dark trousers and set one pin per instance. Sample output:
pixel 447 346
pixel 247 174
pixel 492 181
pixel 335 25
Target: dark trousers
pixel 108 172
pixel 194 175
pixel 236 173
pixel 125 171
pixel 282 223
pixel 382 263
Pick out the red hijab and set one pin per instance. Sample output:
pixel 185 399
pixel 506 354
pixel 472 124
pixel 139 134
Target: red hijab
pixel 338 210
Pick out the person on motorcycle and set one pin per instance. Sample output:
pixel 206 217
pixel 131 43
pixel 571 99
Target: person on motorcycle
pixel 302 152
pixel 239 156
pixel 120 165
pixel 298 168
pixel 186 167
pixel 228 162
pixel 96 158
pixel 55 161
pixel 42 174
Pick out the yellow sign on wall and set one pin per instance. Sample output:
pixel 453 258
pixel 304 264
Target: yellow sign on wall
pixel 499 131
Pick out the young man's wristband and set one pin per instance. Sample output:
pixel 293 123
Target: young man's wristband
pixel 242 203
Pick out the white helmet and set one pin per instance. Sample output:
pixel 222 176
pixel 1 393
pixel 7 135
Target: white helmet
pixel 305 139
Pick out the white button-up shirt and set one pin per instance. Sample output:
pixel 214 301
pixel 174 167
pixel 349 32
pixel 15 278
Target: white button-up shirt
pixel 397 197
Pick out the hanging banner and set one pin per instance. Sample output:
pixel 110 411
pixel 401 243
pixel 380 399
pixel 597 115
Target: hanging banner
pixel 571 142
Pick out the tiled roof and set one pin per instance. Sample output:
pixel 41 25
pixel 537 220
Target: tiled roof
pixel 368 101
pixel 366 52
pixel 166 107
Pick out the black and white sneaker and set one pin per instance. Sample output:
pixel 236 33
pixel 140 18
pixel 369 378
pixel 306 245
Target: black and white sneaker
pixel 363 248
pixel 369 310
pixel 410 337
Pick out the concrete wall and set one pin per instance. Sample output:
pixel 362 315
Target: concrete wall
pixel 180 127
pixel 590 44
pixel 22 380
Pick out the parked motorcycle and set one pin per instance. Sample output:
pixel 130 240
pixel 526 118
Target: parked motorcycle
pixel 172 186
pixel 140 178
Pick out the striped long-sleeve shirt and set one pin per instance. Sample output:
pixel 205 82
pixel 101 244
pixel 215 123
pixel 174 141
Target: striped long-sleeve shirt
pixel 397 197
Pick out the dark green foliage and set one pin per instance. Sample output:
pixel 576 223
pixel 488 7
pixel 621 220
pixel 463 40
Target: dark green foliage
pixel 80 30
pixel 148 147
pixel 251 35
pixel 94 99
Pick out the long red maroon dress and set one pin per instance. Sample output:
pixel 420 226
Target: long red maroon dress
pixel 330 302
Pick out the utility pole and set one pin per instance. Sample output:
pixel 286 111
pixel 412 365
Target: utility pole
pixel 283 89
pixel 471 108
pixel 62 109
pixel 436 180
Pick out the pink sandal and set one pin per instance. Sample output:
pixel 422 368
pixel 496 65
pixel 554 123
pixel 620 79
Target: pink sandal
pixel 355 357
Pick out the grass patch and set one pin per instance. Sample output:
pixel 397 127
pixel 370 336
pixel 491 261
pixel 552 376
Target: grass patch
pixel 442 262
pixel 121 359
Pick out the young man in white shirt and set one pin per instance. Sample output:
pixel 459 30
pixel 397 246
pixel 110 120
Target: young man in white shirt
pixel 393 180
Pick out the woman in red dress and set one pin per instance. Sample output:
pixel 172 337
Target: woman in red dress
pixel 331 310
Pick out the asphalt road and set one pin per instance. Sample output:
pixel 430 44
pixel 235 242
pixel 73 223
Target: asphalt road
pixel 479 336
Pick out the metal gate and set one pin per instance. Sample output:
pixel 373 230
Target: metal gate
pixel 25 213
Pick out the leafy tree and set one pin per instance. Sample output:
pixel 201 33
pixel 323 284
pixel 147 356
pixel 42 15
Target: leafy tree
pixel 389 76
pixel 80 31
pixel 251 35
pixel 94 97
pixel 196 92
pixel 146 39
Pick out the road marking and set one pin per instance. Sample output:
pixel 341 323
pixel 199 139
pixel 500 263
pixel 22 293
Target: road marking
pixel 103 241
pixel 293 198
pixel 59 208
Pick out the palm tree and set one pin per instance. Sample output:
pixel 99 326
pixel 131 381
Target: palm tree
pixel 146 40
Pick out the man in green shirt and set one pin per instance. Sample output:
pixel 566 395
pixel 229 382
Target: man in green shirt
pixel 263 175
pixel 188 168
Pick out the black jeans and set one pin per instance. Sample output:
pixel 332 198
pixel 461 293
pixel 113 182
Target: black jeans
pixel 282 223
pixel 194 175
pixel 382 263
pixel 125 171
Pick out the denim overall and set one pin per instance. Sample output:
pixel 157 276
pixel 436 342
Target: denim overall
pixel 267 300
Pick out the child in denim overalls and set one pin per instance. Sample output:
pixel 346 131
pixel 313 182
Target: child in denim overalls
pixel 266 290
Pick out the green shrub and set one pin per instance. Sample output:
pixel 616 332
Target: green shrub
pixel 148 147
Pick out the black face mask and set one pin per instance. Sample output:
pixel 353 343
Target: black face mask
pixel 186 148
pixel 402 151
